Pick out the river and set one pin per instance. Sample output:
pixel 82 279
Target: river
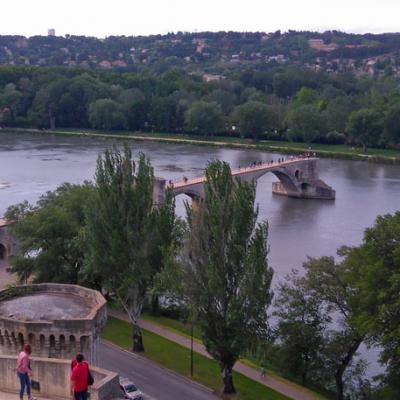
pixel 32 164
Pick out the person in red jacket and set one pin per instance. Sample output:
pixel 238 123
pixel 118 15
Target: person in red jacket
pixel 79 378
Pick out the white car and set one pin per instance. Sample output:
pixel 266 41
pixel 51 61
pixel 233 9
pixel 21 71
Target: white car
pixel 130 390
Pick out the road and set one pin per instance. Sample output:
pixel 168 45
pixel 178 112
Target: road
pixel 156 382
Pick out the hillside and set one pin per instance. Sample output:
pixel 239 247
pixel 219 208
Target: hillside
pixel 213 53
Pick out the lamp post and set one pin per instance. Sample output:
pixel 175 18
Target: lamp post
pixel 191 350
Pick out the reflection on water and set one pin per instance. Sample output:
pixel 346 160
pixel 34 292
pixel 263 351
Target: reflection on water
pixel 33 164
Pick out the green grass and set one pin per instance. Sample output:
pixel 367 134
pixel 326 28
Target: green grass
pixel 176 358
pixel 183 328
pixel 317 392
pixel 322 150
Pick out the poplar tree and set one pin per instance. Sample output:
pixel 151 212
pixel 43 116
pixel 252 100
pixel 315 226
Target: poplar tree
pixel 227 269
pixel 126 235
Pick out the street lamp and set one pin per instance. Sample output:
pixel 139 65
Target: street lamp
pixel 191 350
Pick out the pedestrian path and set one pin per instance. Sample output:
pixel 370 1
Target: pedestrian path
pixel 12 396
pixel 280 385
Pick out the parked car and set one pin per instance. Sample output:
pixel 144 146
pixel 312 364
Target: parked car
pixel 130 390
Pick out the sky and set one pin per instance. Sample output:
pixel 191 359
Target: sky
pixel 103 18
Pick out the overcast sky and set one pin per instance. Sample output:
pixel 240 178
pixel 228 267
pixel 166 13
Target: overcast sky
pixel 142 17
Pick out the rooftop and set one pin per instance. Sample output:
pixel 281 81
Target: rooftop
pixel 45 307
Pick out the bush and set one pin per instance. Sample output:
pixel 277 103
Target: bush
pixel 335 137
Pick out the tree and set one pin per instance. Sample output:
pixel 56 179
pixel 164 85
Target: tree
pixel 327 282
pixel 49 235
pixel 392 125
pixel 162 114
pixel 224 98
pixel 338 111
pixel 365 127
pixel 126 236
pixel 81 90
pixel 227 270
pixel 106 114
pixel 204 118
pixel 306 96
pixel 305 123
pixel 10 98
pixel 135 108
pixel 374 271
pixel 254 118
pixel 46 104
pixel 302 321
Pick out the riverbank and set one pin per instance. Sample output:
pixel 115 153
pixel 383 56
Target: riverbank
pixel 387 156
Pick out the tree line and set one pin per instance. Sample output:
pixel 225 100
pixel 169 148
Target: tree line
pixel 284 103
pixel 213 266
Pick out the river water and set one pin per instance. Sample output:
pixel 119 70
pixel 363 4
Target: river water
pixel 32 164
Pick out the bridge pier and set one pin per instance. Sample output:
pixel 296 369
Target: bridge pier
pixel 301 181
pixel 159 187
pixel 306 190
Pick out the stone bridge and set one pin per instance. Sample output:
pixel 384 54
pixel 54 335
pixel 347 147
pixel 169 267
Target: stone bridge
pixel 298 177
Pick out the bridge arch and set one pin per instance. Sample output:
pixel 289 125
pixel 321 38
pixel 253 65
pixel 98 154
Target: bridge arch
pixel 285 177
pixel 189 193
pixel 286 180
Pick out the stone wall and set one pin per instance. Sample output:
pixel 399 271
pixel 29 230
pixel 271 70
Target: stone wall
pixel 54 378
pixel 8 242
pixel 61 338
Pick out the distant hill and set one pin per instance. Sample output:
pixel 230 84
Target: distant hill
pixel 210 52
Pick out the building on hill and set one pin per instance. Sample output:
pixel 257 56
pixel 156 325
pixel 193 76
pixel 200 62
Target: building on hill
pixel 320 45
pixel 105 64
pixel 212 78
pixel 51 32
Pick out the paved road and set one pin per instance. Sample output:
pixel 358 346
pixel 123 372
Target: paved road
pixel 157 383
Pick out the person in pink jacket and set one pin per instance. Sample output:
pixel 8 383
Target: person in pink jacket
pixel 24 371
